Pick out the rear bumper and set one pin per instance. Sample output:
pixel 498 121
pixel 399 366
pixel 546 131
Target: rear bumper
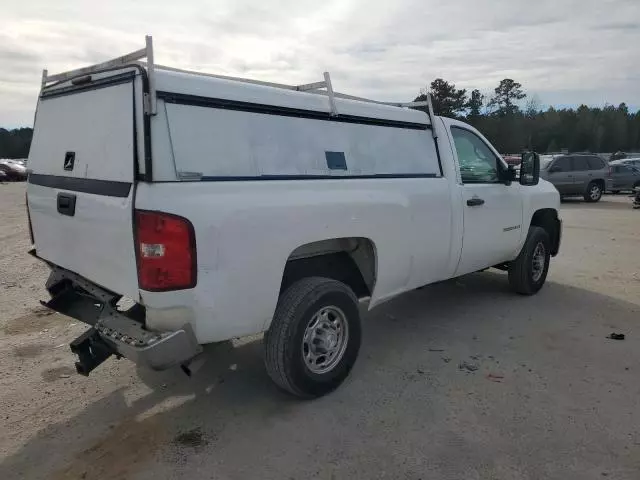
pixel 115 332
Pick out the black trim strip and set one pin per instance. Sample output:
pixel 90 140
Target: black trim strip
pixel 225 104
pixel 108 188
pixel 315 177
pixel 94 85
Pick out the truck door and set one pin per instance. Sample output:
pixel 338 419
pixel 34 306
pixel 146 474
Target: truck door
pixel 492 211
pixel 582 174
pixel 80 190
pixel 561 175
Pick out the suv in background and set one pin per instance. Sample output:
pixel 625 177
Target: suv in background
pixel 576 175
pixel 623 175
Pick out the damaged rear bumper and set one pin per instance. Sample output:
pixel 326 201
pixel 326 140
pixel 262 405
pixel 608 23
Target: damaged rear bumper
pixel 114 331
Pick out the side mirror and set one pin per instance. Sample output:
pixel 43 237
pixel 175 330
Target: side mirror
pixel 529 168
pixel 509 175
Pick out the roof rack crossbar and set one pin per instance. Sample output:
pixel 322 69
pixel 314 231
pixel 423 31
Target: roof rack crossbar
pixel 323 88
pixel 124 60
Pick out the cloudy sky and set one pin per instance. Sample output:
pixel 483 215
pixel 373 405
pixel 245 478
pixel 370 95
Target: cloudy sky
pixel 564 51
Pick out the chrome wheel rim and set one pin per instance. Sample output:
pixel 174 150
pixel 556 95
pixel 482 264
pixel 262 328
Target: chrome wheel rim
pixel 538 261
pixel 595 192
pixel 325 339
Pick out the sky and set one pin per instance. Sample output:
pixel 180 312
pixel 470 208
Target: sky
pixel 565 52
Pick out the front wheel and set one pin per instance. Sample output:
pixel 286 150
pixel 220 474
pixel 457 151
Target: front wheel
pixel 593 193
pixel 528 272
pixel 314 338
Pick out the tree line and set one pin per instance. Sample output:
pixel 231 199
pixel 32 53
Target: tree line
pixel 15 143
pixel 500 117
pixel 512 129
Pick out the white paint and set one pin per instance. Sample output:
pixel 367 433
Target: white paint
pixel 97 242
pixel 421 228
pixel 213 87
pixel 97 125
pixel 219 142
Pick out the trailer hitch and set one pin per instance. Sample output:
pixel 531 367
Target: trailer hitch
pixel 91 350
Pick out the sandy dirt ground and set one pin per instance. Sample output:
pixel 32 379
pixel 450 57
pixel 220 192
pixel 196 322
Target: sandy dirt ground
pixel 551 398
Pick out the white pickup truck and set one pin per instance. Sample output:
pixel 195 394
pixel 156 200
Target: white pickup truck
pixel 178 209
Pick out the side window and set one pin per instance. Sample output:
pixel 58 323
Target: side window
pixel 477 162
pixel 595 163
pixel 562 164
pixel 580 164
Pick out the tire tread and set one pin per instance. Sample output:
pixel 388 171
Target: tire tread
pixel 284 318
pixel 518 270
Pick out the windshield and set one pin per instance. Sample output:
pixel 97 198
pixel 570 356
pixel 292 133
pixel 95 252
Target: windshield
pixel 545 160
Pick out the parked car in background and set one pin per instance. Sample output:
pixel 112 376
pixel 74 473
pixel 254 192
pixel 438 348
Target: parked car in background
pixel 14 170
pixel 512 160
pixel 633 162
pixel 623 175
pixel 576 175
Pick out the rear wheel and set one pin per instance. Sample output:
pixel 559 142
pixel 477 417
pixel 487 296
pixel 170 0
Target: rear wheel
pixel 528 272
pixel 314 338
pixel 593 193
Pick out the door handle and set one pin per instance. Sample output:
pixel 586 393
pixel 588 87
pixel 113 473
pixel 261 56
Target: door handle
pixel 67 204
pixel 475 202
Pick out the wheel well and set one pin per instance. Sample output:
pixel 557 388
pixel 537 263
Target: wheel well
pixel 350 260
pixel 600 182
pixel 547 218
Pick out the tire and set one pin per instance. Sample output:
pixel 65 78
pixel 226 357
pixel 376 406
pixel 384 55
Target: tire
pixel 524 278
pixel 593 193
pixel 294 360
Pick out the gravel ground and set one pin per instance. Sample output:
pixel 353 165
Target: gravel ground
pixel 460 380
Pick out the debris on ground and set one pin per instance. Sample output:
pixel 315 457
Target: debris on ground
pixel 616 336
pixel 433 349
pixel 446 359
pixel 495 378
pixel 470 367
pixel 193 438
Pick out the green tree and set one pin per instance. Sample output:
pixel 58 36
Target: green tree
pixel 15 143
pixel 475 104
pixel 447 100
pixel 506 94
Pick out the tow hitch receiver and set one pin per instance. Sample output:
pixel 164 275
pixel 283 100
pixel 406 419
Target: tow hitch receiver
pixel 91 351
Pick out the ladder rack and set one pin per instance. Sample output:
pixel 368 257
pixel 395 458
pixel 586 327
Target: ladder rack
pixel 323 87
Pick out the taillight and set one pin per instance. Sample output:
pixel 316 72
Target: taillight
pixel 166 251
